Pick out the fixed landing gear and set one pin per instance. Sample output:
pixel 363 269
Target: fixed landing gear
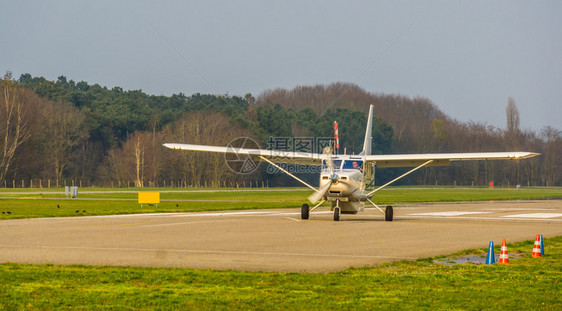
pixel 388 214
pixel 337 211
pixel 336 214
pixel 304 211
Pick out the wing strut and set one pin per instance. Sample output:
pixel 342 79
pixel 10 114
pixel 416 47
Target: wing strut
pixel 285 171
pixel 312 209
pixel 397 178
pixel 389 216
pixel 375 206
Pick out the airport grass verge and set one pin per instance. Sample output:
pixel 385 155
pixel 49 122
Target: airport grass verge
pixel 527 283
pixel 32 204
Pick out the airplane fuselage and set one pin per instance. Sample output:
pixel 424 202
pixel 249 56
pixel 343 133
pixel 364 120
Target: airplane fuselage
pixel 346 177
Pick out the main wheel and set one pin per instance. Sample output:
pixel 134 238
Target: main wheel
pixel 304 211
pixel 388 213
pixel 337 214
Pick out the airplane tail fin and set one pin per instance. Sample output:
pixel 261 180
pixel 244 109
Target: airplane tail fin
pixel 368 134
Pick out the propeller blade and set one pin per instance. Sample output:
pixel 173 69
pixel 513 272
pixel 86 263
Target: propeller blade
pixel 320 193
pixel 329 161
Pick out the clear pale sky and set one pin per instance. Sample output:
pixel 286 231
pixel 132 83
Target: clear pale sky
pixel 467 57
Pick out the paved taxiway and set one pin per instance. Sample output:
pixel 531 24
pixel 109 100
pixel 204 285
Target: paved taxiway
pixel 275 240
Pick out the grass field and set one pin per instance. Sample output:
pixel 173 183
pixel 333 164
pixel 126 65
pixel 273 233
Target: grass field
pixel 525 284
pixel 51 203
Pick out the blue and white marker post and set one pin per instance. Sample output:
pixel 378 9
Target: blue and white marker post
pixel 490 259
pixel 542 245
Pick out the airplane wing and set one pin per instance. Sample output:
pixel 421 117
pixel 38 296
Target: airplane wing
pixel 273 155
pixel 442 159
pixel 386 160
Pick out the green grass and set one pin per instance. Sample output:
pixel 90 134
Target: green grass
pixel 525 284
pixel 44 204
pixel 439 194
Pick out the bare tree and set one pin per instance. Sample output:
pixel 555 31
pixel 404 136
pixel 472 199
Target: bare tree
pixel 13 125
pixel 200 168
pixel 552 159
pixel 128 162
pixel 138 149
pixel 512 114
pixel 64 131
pixel 138 160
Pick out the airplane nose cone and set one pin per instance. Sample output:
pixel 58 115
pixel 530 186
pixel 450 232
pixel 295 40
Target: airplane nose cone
pixel 334 177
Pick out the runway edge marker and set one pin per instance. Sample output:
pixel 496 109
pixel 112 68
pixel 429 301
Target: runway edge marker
pixel 504 259
pixel 537 247
pixel 490 259
pixel 542 245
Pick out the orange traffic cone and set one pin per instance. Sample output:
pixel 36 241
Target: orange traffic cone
pixel 537 247
pixel 503 254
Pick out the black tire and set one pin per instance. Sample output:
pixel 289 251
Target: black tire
pixel 337 214
pixel 304 211
pixel 388 214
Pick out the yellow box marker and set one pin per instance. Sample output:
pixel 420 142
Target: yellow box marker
pixel 149 198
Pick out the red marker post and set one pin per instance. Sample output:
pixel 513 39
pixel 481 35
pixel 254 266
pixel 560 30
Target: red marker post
pixel 336 136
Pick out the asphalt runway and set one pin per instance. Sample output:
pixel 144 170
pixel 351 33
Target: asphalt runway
pixel 276 240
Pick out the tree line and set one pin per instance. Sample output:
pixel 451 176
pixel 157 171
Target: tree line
pixel 64 131
pixel 420 127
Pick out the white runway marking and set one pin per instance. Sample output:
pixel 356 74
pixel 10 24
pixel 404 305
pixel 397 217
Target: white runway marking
pixel 448 214
pixel 187 214
pixel 293 219
pixel 224 214
pixel 217 214
pixel 536 215
pixel 177 224
pixel 519 209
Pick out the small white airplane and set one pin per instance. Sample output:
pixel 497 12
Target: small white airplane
pixel 344 177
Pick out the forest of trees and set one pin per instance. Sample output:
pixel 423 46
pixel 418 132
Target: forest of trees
pixel 55 133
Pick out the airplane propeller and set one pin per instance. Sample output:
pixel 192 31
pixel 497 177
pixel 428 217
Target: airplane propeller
pixel 325 187
pixel 315 197
pixel 329 161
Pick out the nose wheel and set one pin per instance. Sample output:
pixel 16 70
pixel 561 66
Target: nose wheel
pixel 336 214
pixel 337 211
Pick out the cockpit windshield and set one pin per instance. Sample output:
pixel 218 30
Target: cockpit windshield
pixel 353 164
pixel 337 164
pixel 347 164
